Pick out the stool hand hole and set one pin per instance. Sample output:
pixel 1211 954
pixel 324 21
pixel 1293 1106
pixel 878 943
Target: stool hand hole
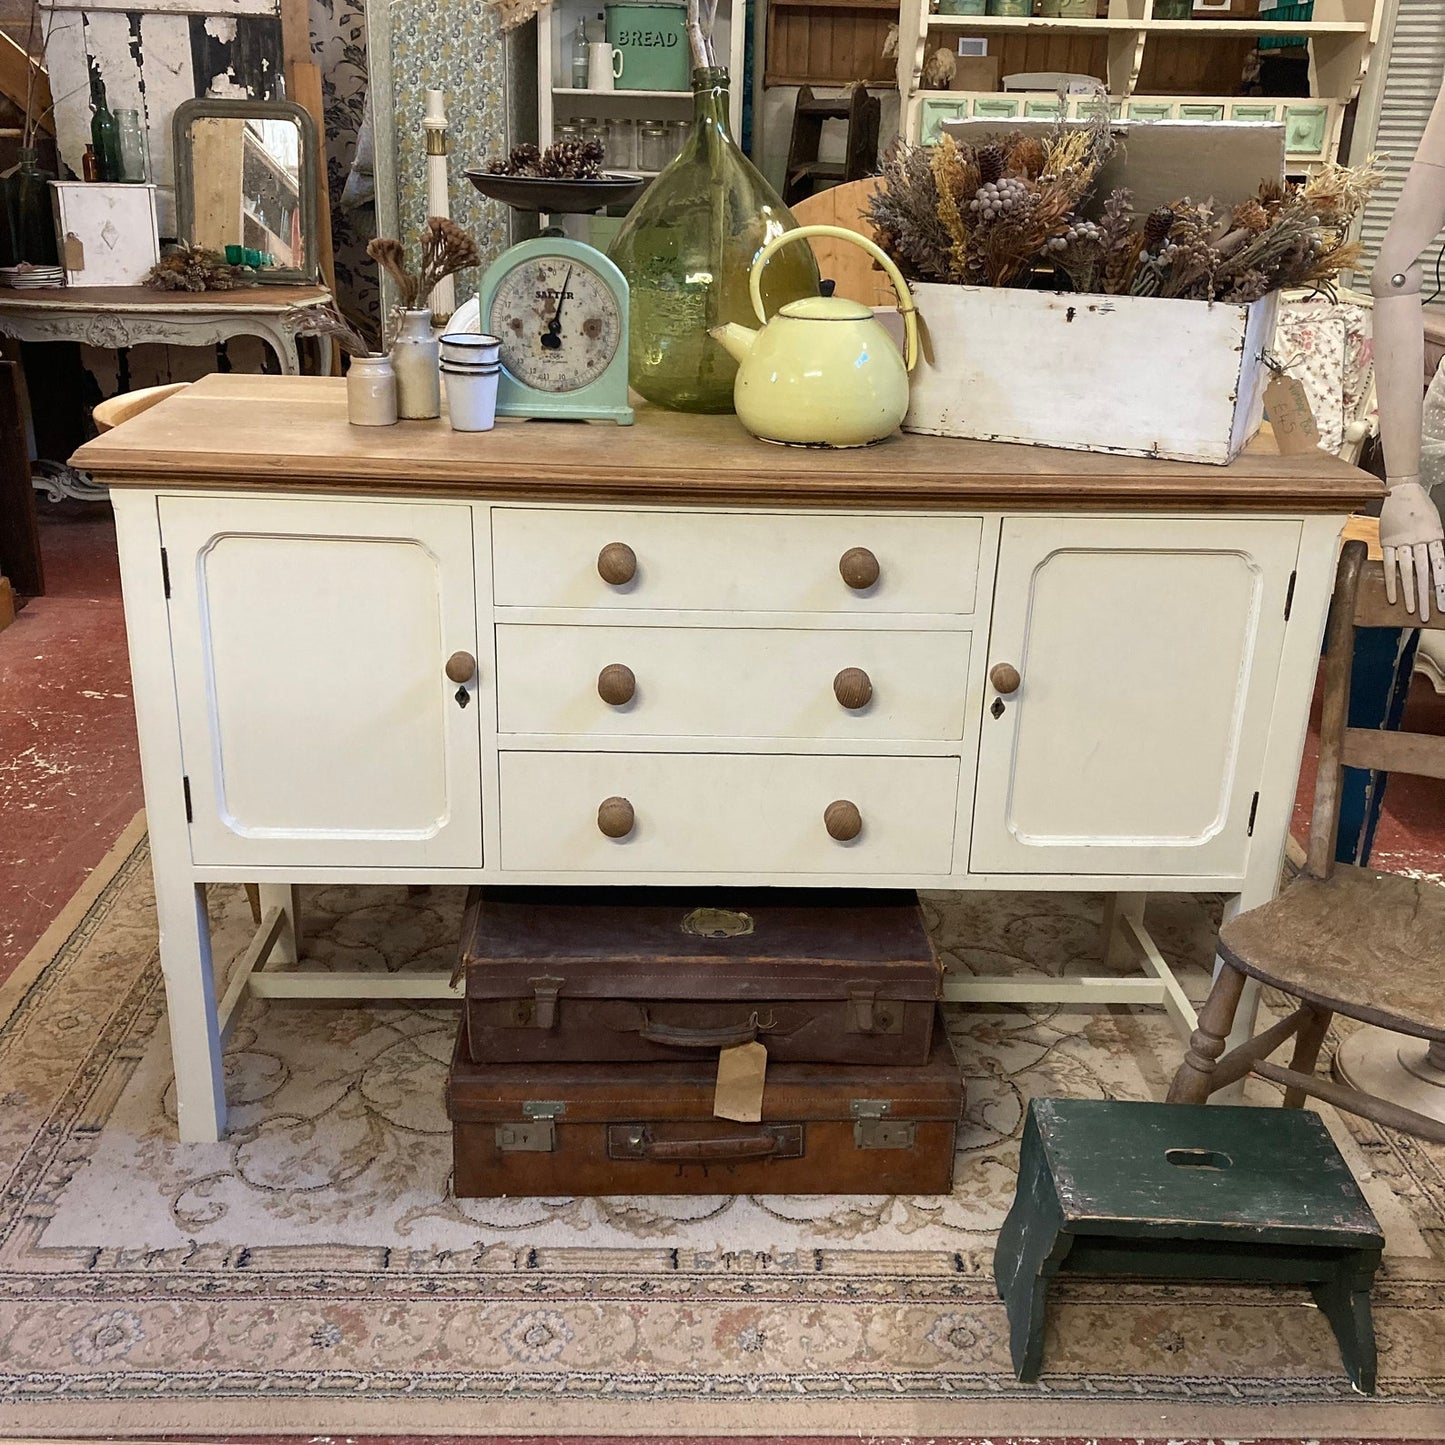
pixel 1199 1158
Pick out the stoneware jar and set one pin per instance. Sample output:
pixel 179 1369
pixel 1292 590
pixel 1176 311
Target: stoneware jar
pixel 415 356
pixel 371 391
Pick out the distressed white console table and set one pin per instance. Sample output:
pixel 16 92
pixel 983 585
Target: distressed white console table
pixel 114 317
pixel 378 655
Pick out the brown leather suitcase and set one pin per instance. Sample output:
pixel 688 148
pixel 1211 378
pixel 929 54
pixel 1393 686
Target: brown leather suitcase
pixel 599 974
pixel 648 1128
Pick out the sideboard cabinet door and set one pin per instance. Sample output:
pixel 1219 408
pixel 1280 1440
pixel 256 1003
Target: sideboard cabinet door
pixel 311 640
pixel 1147 652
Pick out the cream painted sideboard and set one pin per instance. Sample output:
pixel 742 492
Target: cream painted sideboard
pixel 379 656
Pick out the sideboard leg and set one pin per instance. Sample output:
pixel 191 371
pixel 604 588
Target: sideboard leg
pixel 286 897
pixel 185 945
pixel 1116 947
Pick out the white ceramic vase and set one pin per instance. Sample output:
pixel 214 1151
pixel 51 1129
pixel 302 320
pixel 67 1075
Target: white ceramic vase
pixel 371 391
pixel 415 358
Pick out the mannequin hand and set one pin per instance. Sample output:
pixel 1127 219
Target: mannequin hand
pixel 1412 538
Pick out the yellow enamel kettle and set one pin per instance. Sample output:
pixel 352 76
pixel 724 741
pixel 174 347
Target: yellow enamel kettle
pixel 823 372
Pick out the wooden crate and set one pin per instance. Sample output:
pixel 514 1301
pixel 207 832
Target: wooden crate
pixel 1137 375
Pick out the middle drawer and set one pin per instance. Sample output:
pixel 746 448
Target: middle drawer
pixel 731 682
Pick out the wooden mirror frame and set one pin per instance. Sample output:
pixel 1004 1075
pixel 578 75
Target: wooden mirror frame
pixel 190 111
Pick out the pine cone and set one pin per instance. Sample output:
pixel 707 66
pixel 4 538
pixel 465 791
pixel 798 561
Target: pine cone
pixel 1158 227
pixel 523 161
pixel 992 162
pixel 592 154
pixel 562 161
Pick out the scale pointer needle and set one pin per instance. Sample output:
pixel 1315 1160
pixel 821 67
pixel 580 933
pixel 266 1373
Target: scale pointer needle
pixel 552 337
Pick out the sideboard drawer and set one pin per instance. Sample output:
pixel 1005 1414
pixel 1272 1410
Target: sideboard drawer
pixel 727 814
pixel 735 561
pixel 731 682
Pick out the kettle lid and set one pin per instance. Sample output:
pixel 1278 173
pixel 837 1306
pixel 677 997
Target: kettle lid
pixel 827 308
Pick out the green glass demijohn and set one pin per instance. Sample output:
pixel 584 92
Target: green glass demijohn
pixel 686 249
pixel 27 222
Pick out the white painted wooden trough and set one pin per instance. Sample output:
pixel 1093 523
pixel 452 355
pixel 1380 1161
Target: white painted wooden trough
pixel 1137 375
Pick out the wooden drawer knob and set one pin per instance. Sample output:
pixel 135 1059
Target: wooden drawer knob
pixel 859 568
pixel 615 817
pixel 843 820
pixel 853 688
pixel 1005 677
pixel 461 667
pixel 616 684
pixel 617 564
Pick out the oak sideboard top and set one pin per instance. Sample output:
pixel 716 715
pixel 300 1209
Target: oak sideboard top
pixel 287 433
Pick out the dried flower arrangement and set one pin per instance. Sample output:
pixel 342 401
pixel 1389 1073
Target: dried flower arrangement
pixel 445 249
pixel 327 321
pixel 184 267
pixel 566 160
pixel 1010 213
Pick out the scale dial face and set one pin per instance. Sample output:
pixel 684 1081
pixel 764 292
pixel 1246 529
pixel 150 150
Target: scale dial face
pixel 560 323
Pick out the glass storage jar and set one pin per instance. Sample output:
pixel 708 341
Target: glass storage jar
pixel 621 142
pixel 652 151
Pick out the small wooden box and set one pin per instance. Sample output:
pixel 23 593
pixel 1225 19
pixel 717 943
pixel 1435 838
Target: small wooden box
pixel 107 232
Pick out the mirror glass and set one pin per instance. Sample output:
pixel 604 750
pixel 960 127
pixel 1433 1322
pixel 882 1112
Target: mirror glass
pixel 246 174
pixel 246 177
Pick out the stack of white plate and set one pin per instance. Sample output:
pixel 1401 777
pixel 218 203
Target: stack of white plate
pixel 26 276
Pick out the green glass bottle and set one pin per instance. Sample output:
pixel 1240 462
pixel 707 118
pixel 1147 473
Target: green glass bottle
pixel 686 249
pixel 104 135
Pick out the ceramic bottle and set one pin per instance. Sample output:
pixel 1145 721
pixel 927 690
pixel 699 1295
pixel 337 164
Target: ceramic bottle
pixel 370 391
pixel 416 361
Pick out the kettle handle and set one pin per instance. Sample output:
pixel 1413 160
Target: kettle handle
pixel 906 308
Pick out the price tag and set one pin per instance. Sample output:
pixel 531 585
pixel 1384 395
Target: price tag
pixel 740 1074
pixel 74 258
pixel 1288 409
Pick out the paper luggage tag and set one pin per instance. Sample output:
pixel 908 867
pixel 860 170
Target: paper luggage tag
pixel 1288 409
pixel 74 257
pixel 740 1074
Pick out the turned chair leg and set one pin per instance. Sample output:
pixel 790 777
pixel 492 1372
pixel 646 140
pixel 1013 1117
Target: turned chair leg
pixel 1307 1052
pixel 1193 1084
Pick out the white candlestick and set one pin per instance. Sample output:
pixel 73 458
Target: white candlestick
pixel 438 198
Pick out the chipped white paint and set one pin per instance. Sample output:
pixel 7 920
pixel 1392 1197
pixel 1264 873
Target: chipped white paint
pixel 175 7
pixel 1136 375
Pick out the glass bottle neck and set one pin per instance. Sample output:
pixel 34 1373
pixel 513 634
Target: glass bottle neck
pixel 710 99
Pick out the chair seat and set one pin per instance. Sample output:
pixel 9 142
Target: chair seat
pixel 1365 944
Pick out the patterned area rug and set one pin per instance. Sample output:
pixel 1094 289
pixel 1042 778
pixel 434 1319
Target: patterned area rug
pixel 313 1273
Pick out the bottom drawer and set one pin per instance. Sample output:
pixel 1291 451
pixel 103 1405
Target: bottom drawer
pixel 726 813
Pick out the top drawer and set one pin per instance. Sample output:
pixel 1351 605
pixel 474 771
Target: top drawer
pixel 736 562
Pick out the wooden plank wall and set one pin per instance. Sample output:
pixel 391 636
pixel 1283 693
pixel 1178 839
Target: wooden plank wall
pixel 829 44
pixel 151 59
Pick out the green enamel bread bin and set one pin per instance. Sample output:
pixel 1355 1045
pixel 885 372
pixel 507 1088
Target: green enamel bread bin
pixel 652 41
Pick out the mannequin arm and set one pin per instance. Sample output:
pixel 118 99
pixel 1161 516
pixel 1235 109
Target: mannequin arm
pixel 1410 531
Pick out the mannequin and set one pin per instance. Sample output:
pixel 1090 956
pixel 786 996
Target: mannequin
pixel 1411 536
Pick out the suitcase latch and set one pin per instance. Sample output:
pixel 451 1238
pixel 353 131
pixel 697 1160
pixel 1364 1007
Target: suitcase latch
pixel 873 1130
pixel 537 1134
pixel 539 1011
pixel 867 1014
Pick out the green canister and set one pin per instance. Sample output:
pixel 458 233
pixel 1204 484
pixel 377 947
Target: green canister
pixel 652 41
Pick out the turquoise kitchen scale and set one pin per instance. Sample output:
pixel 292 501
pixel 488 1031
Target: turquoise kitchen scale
pixel 558 305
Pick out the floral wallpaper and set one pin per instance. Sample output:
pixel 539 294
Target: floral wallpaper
pixel 338 46
pixel 455 45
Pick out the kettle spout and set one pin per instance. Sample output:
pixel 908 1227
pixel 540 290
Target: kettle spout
pixel 737 339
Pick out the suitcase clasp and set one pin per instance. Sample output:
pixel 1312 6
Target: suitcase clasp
pixel 543 1008
pixel 537 1134
pixel 867 1015
pixel 872 1130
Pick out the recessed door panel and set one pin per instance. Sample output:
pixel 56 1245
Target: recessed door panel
pixel 317 720
pixel 1147 653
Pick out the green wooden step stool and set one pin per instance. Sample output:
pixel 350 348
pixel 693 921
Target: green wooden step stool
pixel 1186 1192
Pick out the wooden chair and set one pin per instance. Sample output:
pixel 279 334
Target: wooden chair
pixel 1340 939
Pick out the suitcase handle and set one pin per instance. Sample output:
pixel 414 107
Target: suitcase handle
pixel 724 1037
pixel 749 1146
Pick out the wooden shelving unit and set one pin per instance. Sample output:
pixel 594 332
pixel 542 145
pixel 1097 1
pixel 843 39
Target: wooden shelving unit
pixel 559 101
pixel 1153 69
pixel 829 42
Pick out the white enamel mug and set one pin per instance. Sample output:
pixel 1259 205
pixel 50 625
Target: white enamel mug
pixel 604 65
pixel 471 397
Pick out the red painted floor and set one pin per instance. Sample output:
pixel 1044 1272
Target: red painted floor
pixel 70 780
pixel 69 775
